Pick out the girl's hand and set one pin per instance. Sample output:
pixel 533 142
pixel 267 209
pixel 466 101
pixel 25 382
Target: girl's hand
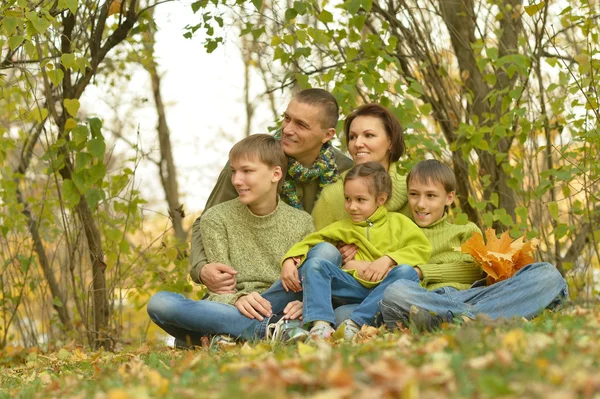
pixel 289 276
pixel 348 251
pixel 378 269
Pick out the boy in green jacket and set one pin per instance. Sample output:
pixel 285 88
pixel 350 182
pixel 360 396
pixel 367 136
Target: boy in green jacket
pixel 388 245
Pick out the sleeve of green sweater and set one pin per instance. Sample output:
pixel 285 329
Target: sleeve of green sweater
pixel 215 239
pixel 461 270
pixel 329 208
pixel 223 191
pixel 414 249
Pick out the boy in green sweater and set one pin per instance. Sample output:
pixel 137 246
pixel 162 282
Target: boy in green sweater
pixel 446 290
pixel 250 233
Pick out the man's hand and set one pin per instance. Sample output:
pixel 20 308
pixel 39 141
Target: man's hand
pixel 253 306
pixel 218 278
pixel 293 310
pixel 378 269
pixel 348 251
pixel 289 276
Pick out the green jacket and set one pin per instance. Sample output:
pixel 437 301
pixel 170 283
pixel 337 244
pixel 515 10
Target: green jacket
pixel 330 206
pixel 384 233
pixel 224 191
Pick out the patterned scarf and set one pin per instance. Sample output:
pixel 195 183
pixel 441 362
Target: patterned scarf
pixel 324 169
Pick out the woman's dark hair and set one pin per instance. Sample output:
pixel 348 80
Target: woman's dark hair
pixel 393 129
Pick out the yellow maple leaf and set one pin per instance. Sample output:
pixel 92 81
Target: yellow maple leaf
pixel 501 257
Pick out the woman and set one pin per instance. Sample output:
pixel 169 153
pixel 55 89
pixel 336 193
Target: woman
pixel 372 133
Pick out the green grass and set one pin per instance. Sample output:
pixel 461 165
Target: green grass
pixel 555 356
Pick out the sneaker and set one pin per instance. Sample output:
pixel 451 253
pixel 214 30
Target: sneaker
pixel 284 330
pixel 421 320
pixel 183 344
pixel 350 328
pixel 321 330
pixel 222 340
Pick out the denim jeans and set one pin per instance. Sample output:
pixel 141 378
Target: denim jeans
pixel 323 278
pixel 186 318
pixel 532 289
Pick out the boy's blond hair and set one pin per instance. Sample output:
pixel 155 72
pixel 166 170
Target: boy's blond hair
pixel 433 171
pixel 263 148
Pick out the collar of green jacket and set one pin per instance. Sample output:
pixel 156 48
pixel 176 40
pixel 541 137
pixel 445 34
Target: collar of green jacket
pixel 376 219
pixel 438 222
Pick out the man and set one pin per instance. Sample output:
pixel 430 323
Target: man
pixel 306 131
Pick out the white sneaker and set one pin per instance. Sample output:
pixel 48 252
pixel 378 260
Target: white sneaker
pixel 321 330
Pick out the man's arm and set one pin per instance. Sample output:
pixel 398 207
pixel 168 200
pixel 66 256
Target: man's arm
pixel 223 191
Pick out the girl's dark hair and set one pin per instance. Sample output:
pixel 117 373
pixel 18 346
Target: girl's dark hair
pixel 380 180
pixel 393 129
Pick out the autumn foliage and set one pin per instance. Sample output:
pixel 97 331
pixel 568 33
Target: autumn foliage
pixel 501 257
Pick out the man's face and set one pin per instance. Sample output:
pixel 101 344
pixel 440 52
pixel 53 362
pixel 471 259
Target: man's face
pixel 428 201
pixel 301 133
pixel 255 182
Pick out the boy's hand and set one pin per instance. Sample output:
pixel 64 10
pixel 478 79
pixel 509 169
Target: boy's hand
pixel 293 310
pixel 348 251
pixel 289 276
pixel 253 306
pixel 378 269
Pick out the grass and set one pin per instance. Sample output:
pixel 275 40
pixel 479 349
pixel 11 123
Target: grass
pixel 553 356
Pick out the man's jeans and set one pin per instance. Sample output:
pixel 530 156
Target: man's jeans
pixel 532 289
pixel 323 279
pixel 186 318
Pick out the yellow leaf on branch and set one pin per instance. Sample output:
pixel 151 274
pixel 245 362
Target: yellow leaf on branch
pixel 114 7
pixel 501 257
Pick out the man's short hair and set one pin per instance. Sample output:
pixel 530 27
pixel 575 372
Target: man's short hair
pixel 433 171
pixel 265 149
pixel 330 110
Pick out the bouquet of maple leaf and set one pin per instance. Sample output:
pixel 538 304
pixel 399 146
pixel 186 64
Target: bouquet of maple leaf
pixel 501 257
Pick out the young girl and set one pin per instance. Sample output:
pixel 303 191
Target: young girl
pixel 384 241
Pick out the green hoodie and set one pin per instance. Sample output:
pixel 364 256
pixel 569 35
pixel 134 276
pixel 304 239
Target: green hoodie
pixel 383 233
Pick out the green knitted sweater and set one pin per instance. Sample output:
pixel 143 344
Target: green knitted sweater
pixel 448 267
pixel 252 245
pixel 330 205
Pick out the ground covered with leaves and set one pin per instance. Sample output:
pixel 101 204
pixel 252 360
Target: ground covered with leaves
pixel 554 356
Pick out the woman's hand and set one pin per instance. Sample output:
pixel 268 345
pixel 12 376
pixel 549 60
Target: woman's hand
pixel 378 269
pixel 289 276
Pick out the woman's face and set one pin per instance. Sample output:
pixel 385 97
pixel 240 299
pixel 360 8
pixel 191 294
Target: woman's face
pixel 368 141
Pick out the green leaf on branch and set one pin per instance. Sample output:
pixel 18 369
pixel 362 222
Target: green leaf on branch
pixel 68 60
pixel 71 105
pixel 553 209
pixel 79 134
pixel 15 41
pixel 70 192
pixel 56 76
pixel 97 172
pixel 257 4
pixel 39 23
pixel 94 196
pixel 535 8
pixel 325 17
pixel 96 147
pixel 70 4
pixel 10 25
pixel 96 128
pixel 290 14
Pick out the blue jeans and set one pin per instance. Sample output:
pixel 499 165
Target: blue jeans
pixel 323 278
pixel 185 318
pixel 532 289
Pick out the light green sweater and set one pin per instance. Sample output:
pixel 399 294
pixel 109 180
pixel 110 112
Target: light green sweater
pixel 384 233
pixel 252 245
pixel 448 267
pixel 330 205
